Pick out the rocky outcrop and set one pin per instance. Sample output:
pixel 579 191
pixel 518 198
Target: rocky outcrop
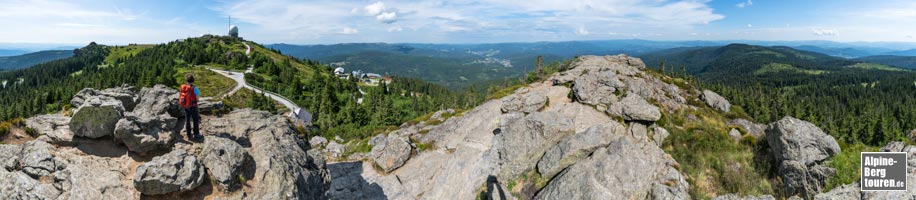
pixel 392 153
pixel 96 117
pixel 157 101
pixel 285 167
pixel 53 128
pixel 525 103
pixel 634 107
pixel 799 147
pixel 124 94
pixel 715 101
pixel 845 192
pixel 176 171
pixel 577 147
pixel 84 178
pixel 659 134
pixel 523 139
pixel 224 159
pixel 36 159
pixel 152 124
pixel 626 169
pixel 18 185
pixel 598 88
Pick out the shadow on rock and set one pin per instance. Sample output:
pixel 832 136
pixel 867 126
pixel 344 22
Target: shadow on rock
pixel 348 183
pixel 105 147
pixel 492 186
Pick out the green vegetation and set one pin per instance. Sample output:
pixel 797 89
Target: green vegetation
pixel 874 66
pixel 712 162
pixel 847 164
pixel 783 68
pixel 120 53
pixel 210 83
pixel 29 59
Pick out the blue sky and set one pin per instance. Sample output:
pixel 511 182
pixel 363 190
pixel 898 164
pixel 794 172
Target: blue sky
pixel 455 21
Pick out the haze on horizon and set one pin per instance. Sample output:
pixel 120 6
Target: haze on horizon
pixel 462 21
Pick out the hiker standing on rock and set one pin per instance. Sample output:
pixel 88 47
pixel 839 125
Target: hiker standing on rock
pixel 187 98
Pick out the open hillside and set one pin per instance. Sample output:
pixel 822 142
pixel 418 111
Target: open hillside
pixel 857 102
pixel 29 59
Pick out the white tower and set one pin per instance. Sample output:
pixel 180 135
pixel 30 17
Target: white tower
pixel 233 30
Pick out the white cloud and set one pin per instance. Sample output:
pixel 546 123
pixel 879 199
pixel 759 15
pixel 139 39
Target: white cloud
pixel 581 31
pixel 375 8
pixel 395 29
pixel 612 33
pixel 349 31
pixel 387 17
pixel 824 32
pixel 745 4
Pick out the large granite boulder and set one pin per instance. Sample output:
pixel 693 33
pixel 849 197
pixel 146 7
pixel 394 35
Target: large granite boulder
pixel 799 140
pixel 124 94
pixel 524 102
pixel 577 147
pixel 53 128
pixel 10 158
pixel 142 134
pixel 715 101
pixel 598 88
pixel 36 159
pixel 152 124
pixel 176 171
pixel 393 153
pixel 799 148
pixel 523 139
pixel 625 169
pixel 634 107
pixel 156 101
pixel 225 161
pixel 96 117
pixel 286 168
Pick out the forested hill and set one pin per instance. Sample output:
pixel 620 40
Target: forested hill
pixel 48 87
pixel 908 62
pixel 856 101
pixel 29 59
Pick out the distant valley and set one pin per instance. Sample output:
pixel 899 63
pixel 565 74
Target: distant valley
pixel 29 59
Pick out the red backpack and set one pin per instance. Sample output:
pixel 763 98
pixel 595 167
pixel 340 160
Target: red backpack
pixel 186 96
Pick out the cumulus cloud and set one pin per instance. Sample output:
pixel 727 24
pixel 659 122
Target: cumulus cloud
pixel 349 31
pixel 375 8
pixel 381 12
pixel 387 17
pixel 825 32
pixel 745 4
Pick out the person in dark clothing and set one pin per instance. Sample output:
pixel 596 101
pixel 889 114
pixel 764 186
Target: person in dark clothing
pixel 187 99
